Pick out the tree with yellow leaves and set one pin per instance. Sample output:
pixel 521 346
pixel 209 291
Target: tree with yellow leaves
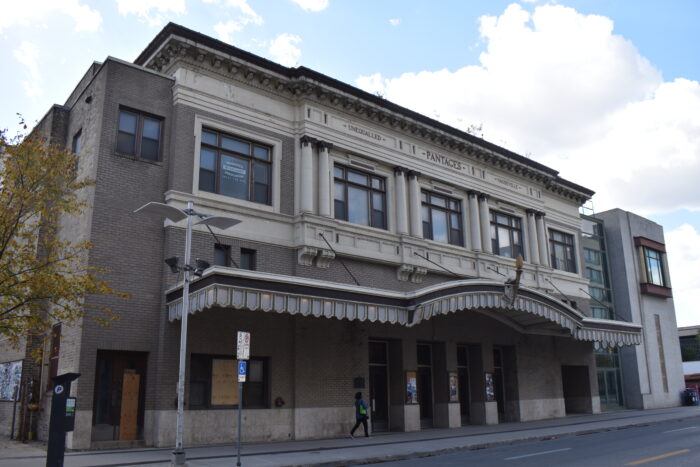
pixel 44 277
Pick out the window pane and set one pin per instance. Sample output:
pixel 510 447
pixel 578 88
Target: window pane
pixel 339 210
pixel 126 143
pixel 207 180
pixel 504 246
pixel 261 153
pixel 377 183
pixel 501 219
pixel 339 191
pixel 151 128
pixel 209 138
pixel 338 172
pixel 235 145
pixel 220 255
pixel 378 201
pixel 247 259
pixel 440 226
pixel 262 173
pixel 438 201
pixel 207 159
pixel 127 122
pixel 149 149
pixel 358 178
pixel 358 204
pixel 261 193
pixel 234 177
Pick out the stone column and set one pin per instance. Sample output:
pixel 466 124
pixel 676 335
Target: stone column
pixel 542 239
pixel 306 175
pixel 324 179
pixel 415 204
pixel 401 212
pixel 474 228
pixel 533 250
pixel 485 223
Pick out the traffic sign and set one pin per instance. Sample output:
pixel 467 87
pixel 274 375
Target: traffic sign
pixel 241 371
pixel 243 348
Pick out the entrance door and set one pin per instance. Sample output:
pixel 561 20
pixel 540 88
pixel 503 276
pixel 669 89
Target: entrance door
pixel 378 386
pixel 498 382
pixel 424 385
pixel 119 395
pixel 463 382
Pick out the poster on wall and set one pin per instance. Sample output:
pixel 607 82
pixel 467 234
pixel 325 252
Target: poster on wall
pixel 224 381
pixel 10 375
pixel 454 386
pixel 490 391
pixel 411 388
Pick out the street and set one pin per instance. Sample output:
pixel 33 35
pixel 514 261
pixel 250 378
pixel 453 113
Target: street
pixel 665 444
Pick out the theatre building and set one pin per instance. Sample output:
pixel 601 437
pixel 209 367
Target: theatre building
pixel 372 255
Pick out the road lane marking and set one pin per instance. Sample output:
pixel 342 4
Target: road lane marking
pixel 656 458
pixel 681 429
pixel 536 454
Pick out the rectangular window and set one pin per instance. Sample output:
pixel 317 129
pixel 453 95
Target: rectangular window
pixel 506 235
pixel 75 145
pixel 235 167
pixel 594 275
pixel 214 382
pixel 592 256
pixel 359 197
pixel 653 262
pixel 139 135
pixel 601 312
pixel 442 218
pixel 562 250
pixel 248 259
pixel 222 255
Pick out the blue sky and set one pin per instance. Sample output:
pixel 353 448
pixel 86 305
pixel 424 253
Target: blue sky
pixel 604 91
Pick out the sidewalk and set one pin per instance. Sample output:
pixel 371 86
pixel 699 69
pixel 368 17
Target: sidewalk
pixel 345 451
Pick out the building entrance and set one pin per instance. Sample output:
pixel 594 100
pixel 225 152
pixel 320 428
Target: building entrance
pixel 424 384
pixel 463 383
pixel 379 385
pixel 609 379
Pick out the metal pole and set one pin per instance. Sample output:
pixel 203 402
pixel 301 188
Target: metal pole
pixel 240 420
pixel 179 453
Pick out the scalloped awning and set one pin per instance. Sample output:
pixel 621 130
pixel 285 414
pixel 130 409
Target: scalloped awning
pixel 533 312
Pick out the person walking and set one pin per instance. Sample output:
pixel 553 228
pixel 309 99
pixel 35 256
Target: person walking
pixel 360 415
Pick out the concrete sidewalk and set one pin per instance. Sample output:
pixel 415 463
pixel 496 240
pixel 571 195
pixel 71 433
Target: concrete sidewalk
pixel 346 451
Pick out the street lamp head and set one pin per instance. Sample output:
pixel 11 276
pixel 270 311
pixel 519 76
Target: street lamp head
pixel 201 266
pixel 173 263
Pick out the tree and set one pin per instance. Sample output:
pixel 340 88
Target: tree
pixel 44 277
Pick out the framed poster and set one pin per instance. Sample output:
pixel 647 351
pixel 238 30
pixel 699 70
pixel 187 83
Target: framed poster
pixel 454 386
pixel 411 388
pixel 224 381
pixel 489 387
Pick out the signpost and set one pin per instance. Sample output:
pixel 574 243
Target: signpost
pixel 242 354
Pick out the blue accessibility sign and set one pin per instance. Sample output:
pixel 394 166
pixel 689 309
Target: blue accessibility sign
pixel 241 371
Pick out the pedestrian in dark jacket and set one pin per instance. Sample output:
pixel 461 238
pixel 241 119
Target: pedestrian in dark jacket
pixel 361 415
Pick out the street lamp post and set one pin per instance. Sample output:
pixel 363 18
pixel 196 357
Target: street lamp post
pixel 176 215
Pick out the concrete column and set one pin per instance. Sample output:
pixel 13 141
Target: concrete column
pixel 485 223
pixel 401 212
pixel 324 179
pixel 542 239
pixel 414 205
pixel 474 228
pixel 482 412
pixel 533 250
pixel 306 175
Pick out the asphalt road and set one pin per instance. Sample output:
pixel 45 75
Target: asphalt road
pixel 670 444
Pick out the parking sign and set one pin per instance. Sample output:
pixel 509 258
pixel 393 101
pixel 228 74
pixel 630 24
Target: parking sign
pixel 243 348
pixel 241 371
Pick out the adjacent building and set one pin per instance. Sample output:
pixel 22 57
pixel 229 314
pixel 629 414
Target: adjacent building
pixel 372 256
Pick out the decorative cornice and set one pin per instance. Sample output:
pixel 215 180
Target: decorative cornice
pixel 414 173
pixel 398 170
pixel 307 140
pixel 324 145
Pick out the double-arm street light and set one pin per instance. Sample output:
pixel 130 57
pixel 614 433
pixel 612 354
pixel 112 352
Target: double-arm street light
pixel 176 215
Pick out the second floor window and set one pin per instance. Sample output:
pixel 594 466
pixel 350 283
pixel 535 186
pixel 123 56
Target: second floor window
pixel 359 197
pixel 653 263
pixel 506 235
pixel 235 167
pixel 442 218
pixel 139 135
pixel 561 247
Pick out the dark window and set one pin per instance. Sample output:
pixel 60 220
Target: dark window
pixel 562 250
pixel 424 354
pixel 592 256
pixel 75 145
pixel 601 312
pixel 653 263
pixel 204 393
pixel 442 218
pixel 235 167
pixel 506 235
pixel 594 275
pixel 599 294
pixel 53 355
pixel 222 255
pixel 248 259
pixel 139 135
pixel 359 197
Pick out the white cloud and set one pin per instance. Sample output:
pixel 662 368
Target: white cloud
pixel 30 12
pixel 153 12
pixel 683 249
pixel 395 21
pixel 284 50
pixel 28 54
pixel 562 86
pixel 246 16
pixel 312 5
